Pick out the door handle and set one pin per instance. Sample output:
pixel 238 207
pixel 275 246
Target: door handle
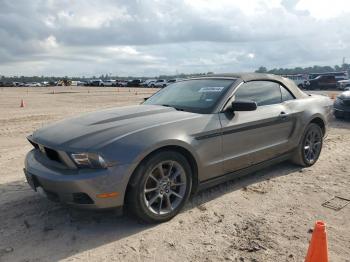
pixel 283 115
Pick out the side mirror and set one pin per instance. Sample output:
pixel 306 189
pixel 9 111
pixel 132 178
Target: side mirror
pixel 145 99
pixel 243 105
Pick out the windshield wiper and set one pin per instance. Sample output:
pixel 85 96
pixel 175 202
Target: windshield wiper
pixel 176 108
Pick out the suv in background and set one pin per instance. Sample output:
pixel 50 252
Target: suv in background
pixel 148 82
pixel 322 82
pixel 160 83
pixel 134 83
pixel 110 83
pixel 95 82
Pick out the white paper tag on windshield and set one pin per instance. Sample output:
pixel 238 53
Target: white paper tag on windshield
pixel 211 89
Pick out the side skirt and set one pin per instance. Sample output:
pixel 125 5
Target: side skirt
pixel 242 172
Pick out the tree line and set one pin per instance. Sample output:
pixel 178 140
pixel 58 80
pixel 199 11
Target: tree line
pixel 261 69
pixel 304 70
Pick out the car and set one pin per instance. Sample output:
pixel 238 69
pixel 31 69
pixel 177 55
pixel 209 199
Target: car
pixel 343 84
pixel 95 82
pixel 122 83
pixel 322 82
pixel 148 82
pixel 33 84
pixel 186 137
pixel 109 83
pixel 160 83
pixel 134 83
pixel 299 79
pixel 342 105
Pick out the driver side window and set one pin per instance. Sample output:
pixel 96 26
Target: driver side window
pixel 261 92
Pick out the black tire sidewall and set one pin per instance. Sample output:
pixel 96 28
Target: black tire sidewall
pixel 140 179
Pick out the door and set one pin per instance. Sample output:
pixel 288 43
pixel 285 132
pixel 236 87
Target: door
pixel 252 137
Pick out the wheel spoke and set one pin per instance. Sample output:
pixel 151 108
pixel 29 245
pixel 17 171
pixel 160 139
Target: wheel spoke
pixel 155 179
pixel 160 169
pixel 160 204
pixel 168 203
pixel 147 190
pixel 170 168
pixel 178 184
pixel 175 175
pixel 175 194
pixel 153 199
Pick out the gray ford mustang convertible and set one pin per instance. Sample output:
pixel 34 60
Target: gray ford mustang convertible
pixel 186 137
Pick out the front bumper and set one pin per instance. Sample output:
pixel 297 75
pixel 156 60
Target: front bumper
pixel 79 187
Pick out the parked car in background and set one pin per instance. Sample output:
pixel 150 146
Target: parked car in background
pixel 299 79
pixel 17 84
pixel 342 105
pixel 337 75
pixel 160 83
pixel 95 82
pixel 322 82
pixel 148 82
pixel 33 84
pixel 110 82
pixel 172 81
pixel 188 136
pixel 122 83
pixel 134 83
pixel 343 84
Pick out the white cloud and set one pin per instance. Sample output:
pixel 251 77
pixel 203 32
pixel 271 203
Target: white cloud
pixel 132 37
pixel 324 9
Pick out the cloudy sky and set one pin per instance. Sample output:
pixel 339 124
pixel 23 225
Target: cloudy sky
pixel 152 37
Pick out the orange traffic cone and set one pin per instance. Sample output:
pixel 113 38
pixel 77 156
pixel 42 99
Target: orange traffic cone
pixel 22 103
pixel 318 248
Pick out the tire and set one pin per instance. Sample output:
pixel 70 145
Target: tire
pixel 310 146
pixel 167 193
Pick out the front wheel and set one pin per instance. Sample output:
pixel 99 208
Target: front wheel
pixel 310 146
pixel 160 187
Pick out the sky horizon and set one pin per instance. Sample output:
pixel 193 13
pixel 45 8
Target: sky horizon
pixel 154 37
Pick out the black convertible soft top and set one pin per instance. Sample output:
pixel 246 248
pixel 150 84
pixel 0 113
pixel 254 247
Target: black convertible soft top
pixel 247 77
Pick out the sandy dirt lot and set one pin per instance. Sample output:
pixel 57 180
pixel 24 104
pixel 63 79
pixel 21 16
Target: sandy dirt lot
pixel 266 216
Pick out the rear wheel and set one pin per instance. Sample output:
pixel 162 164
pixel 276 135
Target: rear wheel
pixel 160 187
pixel 310 146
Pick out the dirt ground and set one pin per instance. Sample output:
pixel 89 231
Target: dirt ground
pixel 266 216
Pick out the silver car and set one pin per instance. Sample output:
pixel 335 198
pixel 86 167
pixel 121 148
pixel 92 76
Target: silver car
pixel 186 137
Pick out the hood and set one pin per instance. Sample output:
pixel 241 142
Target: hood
pixel 93 129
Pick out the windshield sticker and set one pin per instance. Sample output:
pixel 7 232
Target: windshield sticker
pixel 211 89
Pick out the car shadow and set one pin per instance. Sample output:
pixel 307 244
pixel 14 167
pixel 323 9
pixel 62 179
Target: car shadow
pixel 28 219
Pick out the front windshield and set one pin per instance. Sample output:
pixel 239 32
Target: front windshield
pixel 199 95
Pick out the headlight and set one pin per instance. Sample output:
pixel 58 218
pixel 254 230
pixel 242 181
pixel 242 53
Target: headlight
pixel 89 160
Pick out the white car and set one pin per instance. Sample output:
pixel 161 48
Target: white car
pixel 160 83
pixel 110 83
pixel 343 84
pixel 148 82
pixel 33 84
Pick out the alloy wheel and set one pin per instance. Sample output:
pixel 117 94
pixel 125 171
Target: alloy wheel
pixel 165 187
pixel 312 145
